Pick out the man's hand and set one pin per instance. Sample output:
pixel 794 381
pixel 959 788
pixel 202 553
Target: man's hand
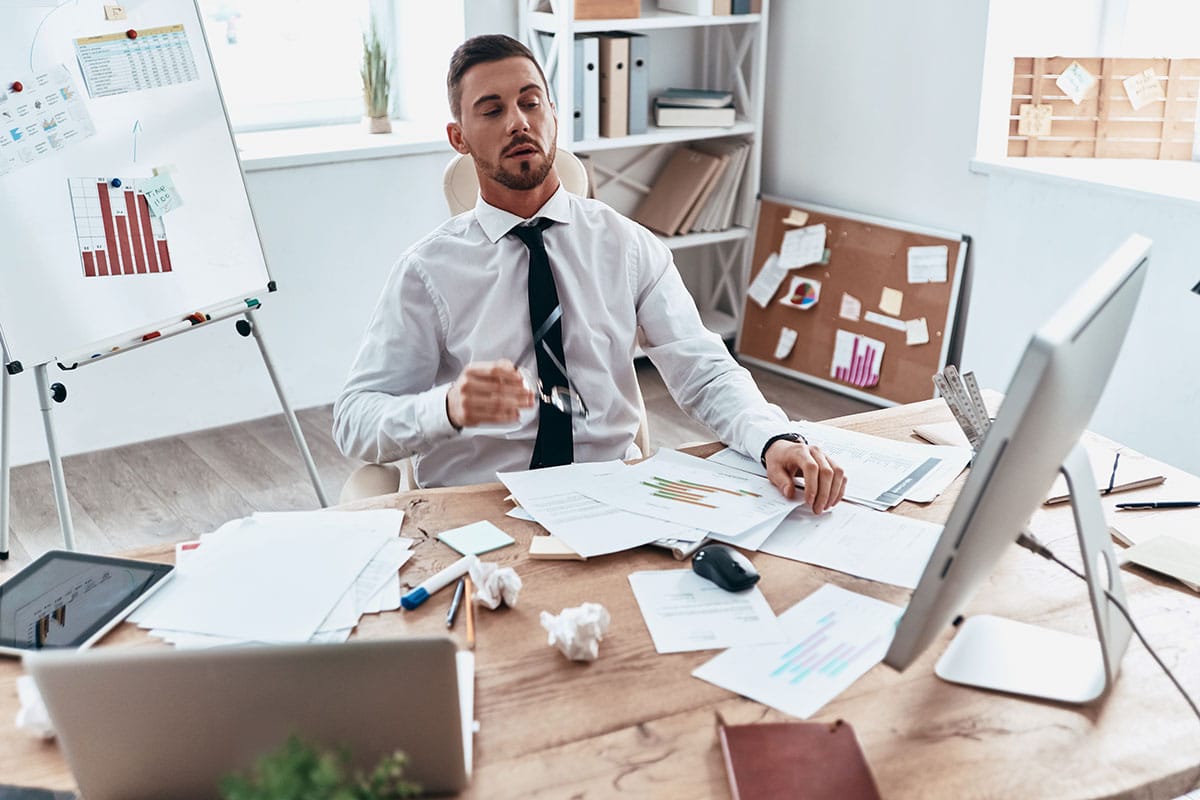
pixel 824 480
pixel 487 391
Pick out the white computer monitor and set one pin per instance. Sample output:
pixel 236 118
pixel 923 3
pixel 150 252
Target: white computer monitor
pixel 1035 436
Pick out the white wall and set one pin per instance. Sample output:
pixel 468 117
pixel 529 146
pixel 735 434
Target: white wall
pixel 873 107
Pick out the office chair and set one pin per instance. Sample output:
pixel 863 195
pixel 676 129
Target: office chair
pixel 461 188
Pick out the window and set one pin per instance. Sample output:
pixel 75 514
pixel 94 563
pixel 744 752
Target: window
pixel 1108 28
pixel 293 63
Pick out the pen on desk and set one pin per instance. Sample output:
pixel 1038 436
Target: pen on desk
pixel 458 593
pixel 435 583
pixel 1159 504
pixel 470 615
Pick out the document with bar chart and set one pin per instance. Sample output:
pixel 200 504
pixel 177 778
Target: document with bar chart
pixel 117 234
pixel 856 359
pixel 680 488
pixel 833 637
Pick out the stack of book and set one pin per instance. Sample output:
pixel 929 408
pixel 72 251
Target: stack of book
pixel 710 8
pixel 694 107
pixel 697 189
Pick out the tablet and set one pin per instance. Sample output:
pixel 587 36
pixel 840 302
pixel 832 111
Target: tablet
pixel 69 600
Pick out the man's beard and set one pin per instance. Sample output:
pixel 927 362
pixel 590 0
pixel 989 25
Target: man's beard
pixel 530 176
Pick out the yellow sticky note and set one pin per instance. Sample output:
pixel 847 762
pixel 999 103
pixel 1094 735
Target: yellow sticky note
pixel 1143 88
pixel 796 217
pixel 891 300
pixel 1035 120
pixel 916 331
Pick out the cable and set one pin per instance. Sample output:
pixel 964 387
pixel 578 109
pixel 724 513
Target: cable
pixel 1031 544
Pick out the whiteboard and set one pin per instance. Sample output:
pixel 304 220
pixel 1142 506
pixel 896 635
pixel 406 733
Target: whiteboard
pixel 56 231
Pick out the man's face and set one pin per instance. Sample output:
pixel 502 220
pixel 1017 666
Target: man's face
pixel 507 123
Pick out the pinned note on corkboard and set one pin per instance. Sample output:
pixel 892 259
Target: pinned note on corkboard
pixel 873 315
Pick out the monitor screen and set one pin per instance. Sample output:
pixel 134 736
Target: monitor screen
pixel 1050 400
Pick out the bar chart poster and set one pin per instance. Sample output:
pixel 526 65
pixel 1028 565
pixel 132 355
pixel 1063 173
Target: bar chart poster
pixel 833 637
pixel 117 234
pixel 856 359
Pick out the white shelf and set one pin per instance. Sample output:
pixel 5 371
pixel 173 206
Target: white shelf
pixel 651 19
pixel 655 135
pixel 702 239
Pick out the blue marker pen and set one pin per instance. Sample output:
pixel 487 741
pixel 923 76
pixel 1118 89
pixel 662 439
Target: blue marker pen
pixel 433 583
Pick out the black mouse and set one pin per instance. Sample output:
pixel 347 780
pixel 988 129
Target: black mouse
pixel 725 567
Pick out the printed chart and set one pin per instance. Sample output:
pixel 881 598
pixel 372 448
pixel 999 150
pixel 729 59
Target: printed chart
pixel 833 637
pixel 856 359
pixel 689 492
pixel 45 116
pixel 117 234
pixel 119 63
pixel 824 652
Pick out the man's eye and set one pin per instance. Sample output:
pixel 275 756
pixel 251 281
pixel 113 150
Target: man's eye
pixel 491 112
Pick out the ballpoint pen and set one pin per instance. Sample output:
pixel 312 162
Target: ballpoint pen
pixel 458 593
pixel 1159 504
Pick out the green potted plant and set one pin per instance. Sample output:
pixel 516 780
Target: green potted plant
pixel 377 82
pixel 299 770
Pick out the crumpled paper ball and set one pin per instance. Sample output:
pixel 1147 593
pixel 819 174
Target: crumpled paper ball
pixel 495 584
pixel 577 631
pixel 32 716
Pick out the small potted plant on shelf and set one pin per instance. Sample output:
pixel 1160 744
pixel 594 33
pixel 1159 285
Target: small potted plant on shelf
pixel 377 82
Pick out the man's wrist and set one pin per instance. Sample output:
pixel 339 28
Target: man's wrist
pixel 790 437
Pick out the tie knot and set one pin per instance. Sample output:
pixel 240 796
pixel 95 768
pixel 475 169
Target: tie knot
pixel 531 232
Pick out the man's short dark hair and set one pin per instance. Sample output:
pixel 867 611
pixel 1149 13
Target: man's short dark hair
pixel 480 50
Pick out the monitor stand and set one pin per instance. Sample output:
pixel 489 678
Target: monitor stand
pixel 1009 656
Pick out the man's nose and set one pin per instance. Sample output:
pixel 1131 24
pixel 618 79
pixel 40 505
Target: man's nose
pixel 517 120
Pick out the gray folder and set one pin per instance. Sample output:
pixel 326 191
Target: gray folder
pixel 639 80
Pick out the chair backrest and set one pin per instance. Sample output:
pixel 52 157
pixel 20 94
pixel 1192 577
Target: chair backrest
pixel 461 185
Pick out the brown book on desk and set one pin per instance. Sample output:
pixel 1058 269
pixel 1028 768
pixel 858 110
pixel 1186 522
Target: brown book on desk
pixel 802 760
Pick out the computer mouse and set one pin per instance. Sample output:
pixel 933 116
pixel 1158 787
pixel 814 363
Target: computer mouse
pixel 725 567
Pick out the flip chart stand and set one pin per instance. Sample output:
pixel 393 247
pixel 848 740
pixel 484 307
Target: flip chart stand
pixel 246 326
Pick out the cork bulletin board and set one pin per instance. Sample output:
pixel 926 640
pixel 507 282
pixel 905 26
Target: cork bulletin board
pixel 846 321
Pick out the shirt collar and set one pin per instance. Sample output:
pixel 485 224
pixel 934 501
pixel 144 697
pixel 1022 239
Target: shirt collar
pixel 496 222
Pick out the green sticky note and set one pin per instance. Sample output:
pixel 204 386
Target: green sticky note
pixel 476 538
pixel 825 256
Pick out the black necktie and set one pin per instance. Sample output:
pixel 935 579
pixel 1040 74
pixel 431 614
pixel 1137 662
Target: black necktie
pixel 554 445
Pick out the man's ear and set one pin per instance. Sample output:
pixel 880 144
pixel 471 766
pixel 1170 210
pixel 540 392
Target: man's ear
pixel 455 135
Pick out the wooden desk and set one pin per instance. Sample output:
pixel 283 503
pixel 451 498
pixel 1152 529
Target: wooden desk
pixel 636 724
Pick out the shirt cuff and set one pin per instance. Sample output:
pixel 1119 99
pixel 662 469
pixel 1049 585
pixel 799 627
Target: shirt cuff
pixel 757 435
pixel 432 417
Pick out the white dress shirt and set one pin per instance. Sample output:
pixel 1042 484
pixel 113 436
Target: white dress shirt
pixel 461 295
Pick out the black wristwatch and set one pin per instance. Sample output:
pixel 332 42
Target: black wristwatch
pixel 791 437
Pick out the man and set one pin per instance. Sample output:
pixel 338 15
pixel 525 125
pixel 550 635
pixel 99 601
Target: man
pixel 560 284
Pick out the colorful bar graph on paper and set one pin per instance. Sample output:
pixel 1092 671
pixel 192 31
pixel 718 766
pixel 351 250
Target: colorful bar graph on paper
pixel 820 652
pixel 856 359
pixel 115 231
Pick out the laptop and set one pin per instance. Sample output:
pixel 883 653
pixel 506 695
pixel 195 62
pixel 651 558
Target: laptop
pixel 139 723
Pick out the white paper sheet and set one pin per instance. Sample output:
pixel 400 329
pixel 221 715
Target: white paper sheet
pixel 833 637
pixel 787 340
pixel 752 538
pixel 556 498
pixel 1075 82
pixel 691 491
pixel 859 541
pixel 270 580
pixel 884 320
pixel 928 264
pixel 802 246
pixel 851 307
pixel 916 331
pixel 685 612
pixel 767 281
pixel 879 472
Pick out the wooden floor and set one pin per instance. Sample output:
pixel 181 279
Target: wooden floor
pixel 176 488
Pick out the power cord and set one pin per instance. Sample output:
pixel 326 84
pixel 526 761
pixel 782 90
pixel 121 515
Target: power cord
pixel 1031 544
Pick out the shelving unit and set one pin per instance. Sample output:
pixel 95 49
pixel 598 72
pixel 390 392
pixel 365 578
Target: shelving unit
pixel 707 52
